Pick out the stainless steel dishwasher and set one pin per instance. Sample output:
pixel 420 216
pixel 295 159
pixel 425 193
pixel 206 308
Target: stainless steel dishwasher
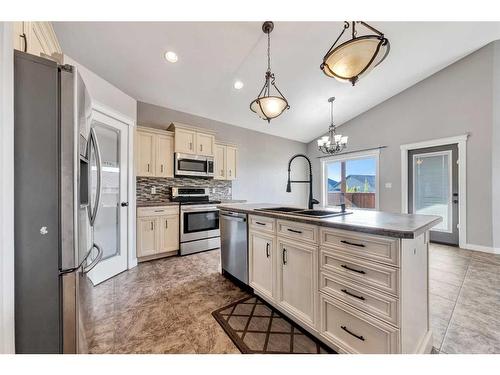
pixel 234 244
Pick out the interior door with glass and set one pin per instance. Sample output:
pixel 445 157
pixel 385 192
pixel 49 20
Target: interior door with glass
pixel 110 226
pixel 433 189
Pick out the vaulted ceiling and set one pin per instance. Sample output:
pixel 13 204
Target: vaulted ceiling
pixel 212 55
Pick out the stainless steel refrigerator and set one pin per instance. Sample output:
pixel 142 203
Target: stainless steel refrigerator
pixel 57 190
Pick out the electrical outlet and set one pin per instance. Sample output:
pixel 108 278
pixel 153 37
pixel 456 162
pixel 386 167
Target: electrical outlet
pixel 153 190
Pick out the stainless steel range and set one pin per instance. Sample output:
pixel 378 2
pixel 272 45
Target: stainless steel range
pixel 199 220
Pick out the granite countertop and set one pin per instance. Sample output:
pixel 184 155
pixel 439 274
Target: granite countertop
pixel 231 201
pixel 365 221
pixel 156 203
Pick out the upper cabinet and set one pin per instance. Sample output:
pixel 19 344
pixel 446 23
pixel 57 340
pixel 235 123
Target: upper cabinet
pixel 37 38
pixel 226 158
pixel 190 140
pixel 154 153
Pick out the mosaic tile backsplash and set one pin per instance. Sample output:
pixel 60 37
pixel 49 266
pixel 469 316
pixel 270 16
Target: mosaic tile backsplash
pixel 219 190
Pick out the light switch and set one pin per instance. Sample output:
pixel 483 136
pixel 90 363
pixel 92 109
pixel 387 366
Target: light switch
pixel 388 185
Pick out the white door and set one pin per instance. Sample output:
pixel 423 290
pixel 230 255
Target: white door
pixel 110 227
pixel 261 254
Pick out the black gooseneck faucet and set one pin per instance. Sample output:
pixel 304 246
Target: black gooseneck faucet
pixel 312 201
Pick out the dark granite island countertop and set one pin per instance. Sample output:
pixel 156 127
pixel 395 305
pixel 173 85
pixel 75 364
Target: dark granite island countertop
pixel 365 221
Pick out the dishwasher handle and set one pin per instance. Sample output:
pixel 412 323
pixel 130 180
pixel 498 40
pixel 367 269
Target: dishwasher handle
pixel 233 218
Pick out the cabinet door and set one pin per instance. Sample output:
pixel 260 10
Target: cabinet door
pixel 169 233
pixel 185 141
pixel 145 154
pixel 220 162
pixel 205 144
pixel 231 160
pixel 164 156
pixel 261 258
pixel 297 284
pixel 147 237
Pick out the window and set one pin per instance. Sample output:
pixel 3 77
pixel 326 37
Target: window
pixel 351 179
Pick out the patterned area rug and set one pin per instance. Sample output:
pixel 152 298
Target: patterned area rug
pixel 256 327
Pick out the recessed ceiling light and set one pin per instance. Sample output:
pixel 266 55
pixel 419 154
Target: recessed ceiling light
pixel 171 56
pixel 238 85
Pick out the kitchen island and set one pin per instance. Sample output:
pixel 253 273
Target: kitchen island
pixel 357 281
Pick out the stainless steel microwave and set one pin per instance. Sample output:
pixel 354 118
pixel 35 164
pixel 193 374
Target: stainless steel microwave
pixel 193 165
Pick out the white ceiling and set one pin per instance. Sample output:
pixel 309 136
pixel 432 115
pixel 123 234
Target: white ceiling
pixel 212 55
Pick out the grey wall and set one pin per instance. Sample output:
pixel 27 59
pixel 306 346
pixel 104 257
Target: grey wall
pixel 452 102
pixel 262 158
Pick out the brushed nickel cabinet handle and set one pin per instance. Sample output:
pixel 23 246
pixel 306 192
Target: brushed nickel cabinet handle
pixel 285 260
pixel 352 334
pixel 268 254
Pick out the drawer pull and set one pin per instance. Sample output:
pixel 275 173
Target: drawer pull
pixel 352 243
pixel 294 231
pixel 284 257
pixel 268 254
pixel 159 210
pixel 353 334
pixel 352 295
pixel 258 222
pixel 352 269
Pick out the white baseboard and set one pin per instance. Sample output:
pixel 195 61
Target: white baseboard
pixel 484 249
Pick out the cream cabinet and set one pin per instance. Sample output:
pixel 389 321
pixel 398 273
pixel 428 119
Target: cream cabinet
pixel 157 232
pixel 205 144
pixel 226 157
pixel 191 140
pixel 356 292
pixel 185 141
pixel 297 285
pixel 37 38
pixel 154 153
pixel 147 236
pixel 262 249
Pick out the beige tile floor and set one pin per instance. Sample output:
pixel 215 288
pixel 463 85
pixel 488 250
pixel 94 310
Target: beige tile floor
pixel 165 306
pixel 464 300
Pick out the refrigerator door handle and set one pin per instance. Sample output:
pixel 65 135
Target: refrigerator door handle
pixel 96 260
pixel 95 144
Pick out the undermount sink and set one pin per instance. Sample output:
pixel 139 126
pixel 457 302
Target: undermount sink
pixel 302 212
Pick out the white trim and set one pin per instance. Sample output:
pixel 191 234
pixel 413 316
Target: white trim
pixel 461 141
pixel 481 248
pixel 352 155
pixel 131 257
pixel 7 343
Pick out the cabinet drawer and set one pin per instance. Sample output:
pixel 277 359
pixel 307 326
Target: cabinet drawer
pixel 157 211
pixel 376 248
pixel 366 299
pixel 262 223
pixel 354 331
pixel 379 276
pixel 299 231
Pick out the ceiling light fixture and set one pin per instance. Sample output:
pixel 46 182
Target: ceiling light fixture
pixel 171 56
pixel 350 60
pixel 332 143
pixel 238 85
pixel 267 105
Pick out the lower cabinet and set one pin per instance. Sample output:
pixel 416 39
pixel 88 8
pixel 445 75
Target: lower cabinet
pixel 157 232
pixel 297 284
pixel 262 249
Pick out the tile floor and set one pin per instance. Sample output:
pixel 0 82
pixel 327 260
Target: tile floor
pixel 165 306
pixel 464 300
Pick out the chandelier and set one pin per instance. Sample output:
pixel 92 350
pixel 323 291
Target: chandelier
pixel 352 59
pixel 332 143
pixel 269 105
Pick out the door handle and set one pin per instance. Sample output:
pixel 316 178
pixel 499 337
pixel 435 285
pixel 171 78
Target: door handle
pixel 23 35
pixel 166 223
pixel 124 204
pixel 161 168
pixel 267 250
pixel 455 200
pixel 284 257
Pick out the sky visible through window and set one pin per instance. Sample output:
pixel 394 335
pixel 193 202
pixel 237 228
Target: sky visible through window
pixel 367 167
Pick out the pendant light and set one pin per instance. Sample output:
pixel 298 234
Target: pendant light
pixel 269 105
pixel 332 143
pixel 350 60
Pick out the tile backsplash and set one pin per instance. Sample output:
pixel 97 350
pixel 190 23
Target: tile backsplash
pixel 218 189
